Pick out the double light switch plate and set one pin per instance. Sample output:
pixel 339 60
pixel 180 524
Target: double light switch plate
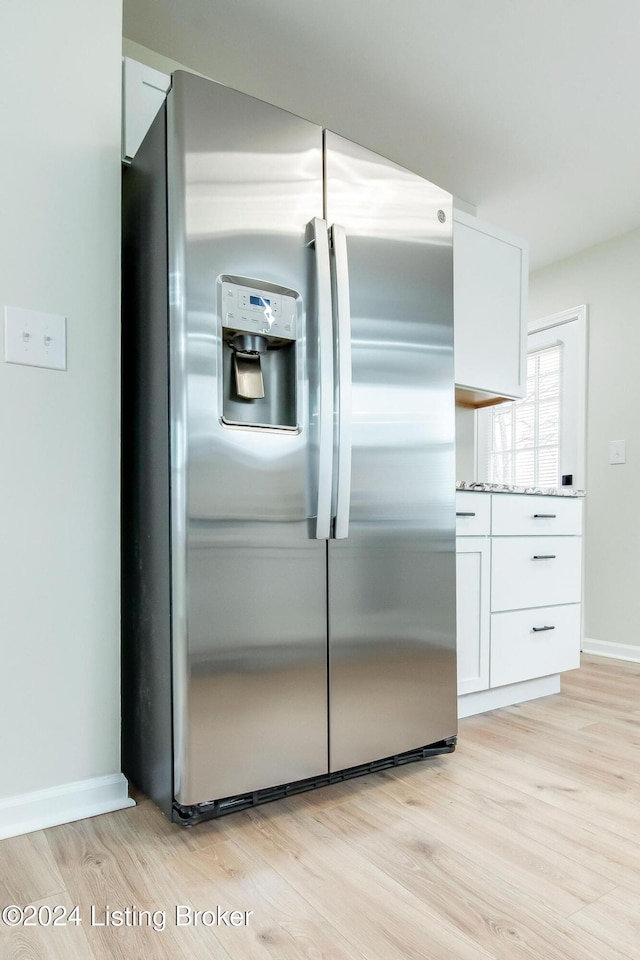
pixel 35 338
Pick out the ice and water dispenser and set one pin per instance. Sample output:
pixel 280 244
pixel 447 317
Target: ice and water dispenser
pixel 259 333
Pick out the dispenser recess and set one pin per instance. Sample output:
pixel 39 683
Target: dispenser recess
pixel 259 357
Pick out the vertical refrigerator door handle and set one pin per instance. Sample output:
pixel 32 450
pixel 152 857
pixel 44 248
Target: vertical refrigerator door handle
pixel 343 367
pixel 320 244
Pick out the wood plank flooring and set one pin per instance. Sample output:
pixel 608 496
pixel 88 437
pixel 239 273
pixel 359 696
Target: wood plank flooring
pixel 522 845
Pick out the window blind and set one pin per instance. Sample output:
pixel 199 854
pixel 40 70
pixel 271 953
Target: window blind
pixel 522 442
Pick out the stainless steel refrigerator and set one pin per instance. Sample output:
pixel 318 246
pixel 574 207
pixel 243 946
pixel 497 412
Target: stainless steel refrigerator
pixel 288 458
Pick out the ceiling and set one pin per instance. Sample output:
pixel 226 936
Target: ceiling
pixel 527 109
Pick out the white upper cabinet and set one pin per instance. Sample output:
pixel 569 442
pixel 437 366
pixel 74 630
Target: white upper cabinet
pixel 144 91
pixel 490 270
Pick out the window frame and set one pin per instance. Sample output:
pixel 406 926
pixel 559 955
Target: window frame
pixel 573 402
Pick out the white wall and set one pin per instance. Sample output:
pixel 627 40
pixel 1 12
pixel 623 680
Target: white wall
pixel 606 277
pixel 59 508
pixel 152 59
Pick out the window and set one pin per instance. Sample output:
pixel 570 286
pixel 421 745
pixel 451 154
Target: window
pixel 524 437
pixel 540 439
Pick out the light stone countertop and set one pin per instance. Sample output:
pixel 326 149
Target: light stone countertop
pixel 479 487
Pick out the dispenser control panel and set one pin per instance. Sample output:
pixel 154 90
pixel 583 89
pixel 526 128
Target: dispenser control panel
pixel 258 311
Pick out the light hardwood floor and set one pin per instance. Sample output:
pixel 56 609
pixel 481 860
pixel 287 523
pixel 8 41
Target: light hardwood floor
pixel 525 843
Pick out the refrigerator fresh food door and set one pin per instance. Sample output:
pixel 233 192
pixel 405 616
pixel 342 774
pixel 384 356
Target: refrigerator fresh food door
pixel 392 574
pixel 248 572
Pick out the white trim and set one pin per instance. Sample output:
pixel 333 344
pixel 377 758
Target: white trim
pixel 565 316
pixel 616 651
pixel 484 700
pixel 26 812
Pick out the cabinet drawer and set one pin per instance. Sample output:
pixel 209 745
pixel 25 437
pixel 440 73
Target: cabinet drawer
pixel 535 571
pixel 514 515
pixel 473 514
pixel 522 646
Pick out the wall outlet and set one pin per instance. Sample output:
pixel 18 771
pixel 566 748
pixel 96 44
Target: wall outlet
pixel 618 451
pixel 35 338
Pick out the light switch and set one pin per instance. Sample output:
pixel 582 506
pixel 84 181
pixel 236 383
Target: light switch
pixel 618 451
pixel 35 338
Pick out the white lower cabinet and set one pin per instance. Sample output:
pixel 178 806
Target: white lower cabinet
pixel 518 597
pixel 473 560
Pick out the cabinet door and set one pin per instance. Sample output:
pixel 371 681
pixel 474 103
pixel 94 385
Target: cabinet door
pixel 144 92
pixel 490 287
pixel 473 614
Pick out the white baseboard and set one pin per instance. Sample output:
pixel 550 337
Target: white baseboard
pixel 26 812
pixel 617 651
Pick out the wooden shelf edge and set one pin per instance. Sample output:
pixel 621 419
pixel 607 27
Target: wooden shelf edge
pixel 475 399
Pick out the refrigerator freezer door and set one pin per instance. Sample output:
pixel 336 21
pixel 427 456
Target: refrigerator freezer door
pixel 249 577
pixel 392 581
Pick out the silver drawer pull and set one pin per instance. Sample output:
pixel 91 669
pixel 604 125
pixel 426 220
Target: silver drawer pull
pixel 459 513
pixel 541 629
pixel 545 516
pixel 544 556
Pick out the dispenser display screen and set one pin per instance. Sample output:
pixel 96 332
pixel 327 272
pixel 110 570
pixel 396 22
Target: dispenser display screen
pixel 250 309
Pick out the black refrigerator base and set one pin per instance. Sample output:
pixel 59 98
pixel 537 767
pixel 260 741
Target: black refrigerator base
pixel 188 816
